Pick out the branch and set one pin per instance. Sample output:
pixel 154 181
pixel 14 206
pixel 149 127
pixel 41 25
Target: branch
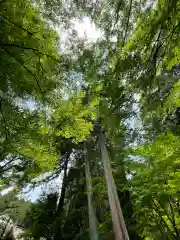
pixel 178 206
pixel 4 229
pixel 158 48
pixel 17 25
pixel 29 48
pixel 10 161
pixel 173 219
pixel 157 40
pixel 4 120
pixel 117 12
pixel 163 41
pixel 22 64
pixel 41 66
pixel 162 219
pixel 159 221
pixel 129 13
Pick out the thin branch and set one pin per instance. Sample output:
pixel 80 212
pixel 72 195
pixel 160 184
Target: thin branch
pixel 5 228
pixel 28 48
pixel 157 40
pixel 162 219
pixel 4 120
pixel 129 13
pixel 10 161
pixel 9 168
pixel 42 68
pixel 163 41
pixel 160 223
pixel 51 177
pixel 167 214
pixel 117 12
pixel 178 206
pixel 22 64
pixel 173 218
pixel 140 6
pixel 171 33
pixel 17 25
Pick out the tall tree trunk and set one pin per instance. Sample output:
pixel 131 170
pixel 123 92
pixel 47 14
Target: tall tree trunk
pixel 124 195
pixel 64 183
pixel 60 207
pixel 91 208
pixel 119 226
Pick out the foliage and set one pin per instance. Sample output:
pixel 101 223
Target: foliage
pixel 51 106
pixel 159 197
pixel 14 206
pixel 39 217
pixel 29 67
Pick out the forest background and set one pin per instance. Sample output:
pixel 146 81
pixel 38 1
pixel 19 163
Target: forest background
pixel 89 99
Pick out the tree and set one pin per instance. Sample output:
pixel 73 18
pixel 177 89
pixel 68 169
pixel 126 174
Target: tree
pixel 117 216
pixel 29 60
pixel 130 73
pixel 14 207
pixel 91 209
pixel 39 218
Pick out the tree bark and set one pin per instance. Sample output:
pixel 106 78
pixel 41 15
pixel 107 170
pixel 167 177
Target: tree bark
pixel 91 208
pixel 64 183
pixel 60 206
pixel 119 226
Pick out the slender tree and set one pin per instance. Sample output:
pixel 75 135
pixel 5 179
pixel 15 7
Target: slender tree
pixel 91 208
pixel 119 225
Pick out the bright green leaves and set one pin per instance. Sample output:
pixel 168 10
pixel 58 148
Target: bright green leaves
pixel 28 70
pixel 80 129
pixel 28 50
pixel 38 144
pixel 173 58
pixel 156 36
pixel 172 102
pixel 42 154
pixel 74 119
pixel 155 45
pixel 22 135
pixel 155 168
pixel 164 152
pixel 155 185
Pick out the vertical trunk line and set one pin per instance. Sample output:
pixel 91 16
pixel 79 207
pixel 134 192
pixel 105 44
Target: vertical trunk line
pixel 91 209
pixel 64 183
pixel 60 203
pixel 119 226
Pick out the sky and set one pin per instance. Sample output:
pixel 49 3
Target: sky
pixel 34 194
pixel 87 29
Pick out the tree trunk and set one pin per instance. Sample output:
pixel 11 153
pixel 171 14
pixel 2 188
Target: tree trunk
pixel 64 183
pixel 60 207
pixel 119 226
pixel 91 208
pixel 124 194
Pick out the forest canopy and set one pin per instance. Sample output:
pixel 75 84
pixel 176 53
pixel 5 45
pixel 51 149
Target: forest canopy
pixel 100 118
